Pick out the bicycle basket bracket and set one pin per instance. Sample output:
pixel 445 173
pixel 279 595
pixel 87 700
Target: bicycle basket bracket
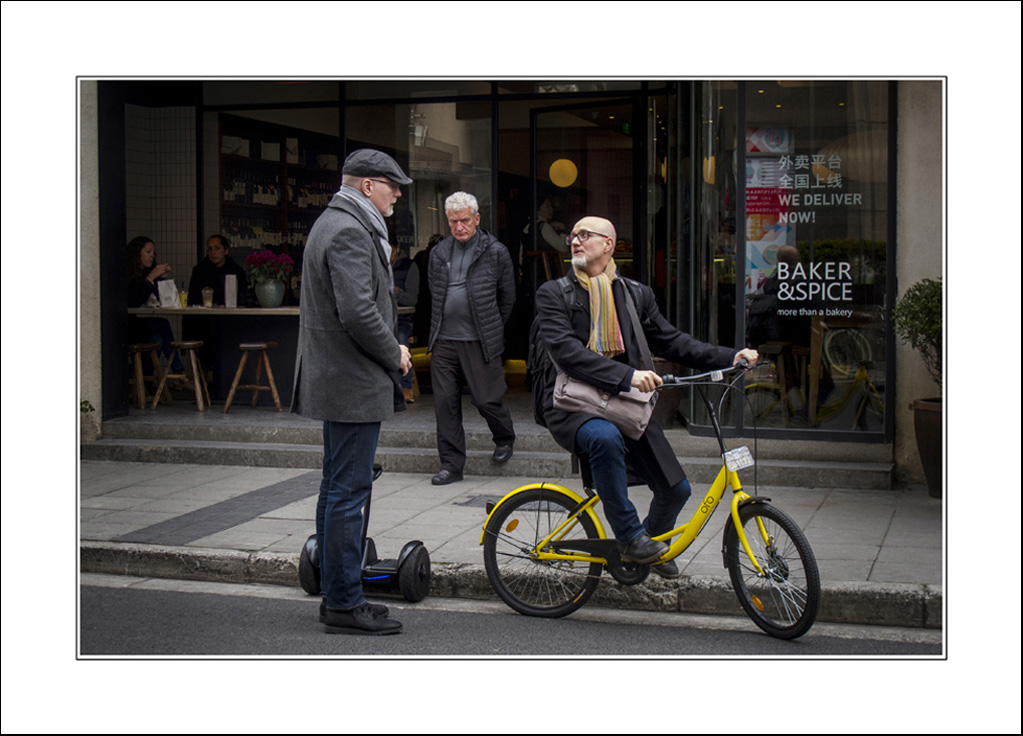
pixel 738 459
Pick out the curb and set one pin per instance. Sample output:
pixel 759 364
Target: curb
pixel 875 604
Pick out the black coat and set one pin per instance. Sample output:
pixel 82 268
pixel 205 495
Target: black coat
pixel 491 285
pixel 566 330
pixel 206 274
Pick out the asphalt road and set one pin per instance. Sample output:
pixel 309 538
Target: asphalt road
pixel 163 618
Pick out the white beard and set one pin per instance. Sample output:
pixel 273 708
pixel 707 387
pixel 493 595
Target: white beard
pixel 579 262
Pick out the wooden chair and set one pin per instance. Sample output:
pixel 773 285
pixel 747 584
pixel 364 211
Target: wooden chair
pixel 193 373
pixel 551 260
pixel 137 380
pixel 262 361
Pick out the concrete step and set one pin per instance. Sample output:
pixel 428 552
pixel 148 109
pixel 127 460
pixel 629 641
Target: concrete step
pixel 524 464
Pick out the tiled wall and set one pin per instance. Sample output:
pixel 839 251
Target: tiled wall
pixel 160 158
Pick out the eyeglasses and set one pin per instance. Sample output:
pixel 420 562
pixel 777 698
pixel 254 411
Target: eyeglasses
pixel 394 187
pixel 583 236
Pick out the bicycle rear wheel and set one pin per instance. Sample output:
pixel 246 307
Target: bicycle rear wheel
pixel 547 588
pixel 784 601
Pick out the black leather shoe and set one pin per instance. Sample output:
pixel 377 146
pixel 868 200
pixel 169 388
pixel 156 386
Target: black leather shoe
pixel 502 453
pixel 642 549
pixel 446 476
pixel 359 620
pixel 379 610
pixel 667 570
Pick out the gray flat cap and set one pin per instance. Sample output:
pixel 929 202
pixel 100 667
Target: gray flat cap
pixel 367 162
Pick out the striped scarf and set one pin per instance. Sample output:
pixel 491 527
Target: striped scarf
pixel 605 332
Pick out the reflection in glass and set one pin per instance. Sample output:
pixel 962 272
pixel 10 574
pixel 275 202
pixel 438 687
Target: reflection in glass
pixel 816 223
pixel 445 148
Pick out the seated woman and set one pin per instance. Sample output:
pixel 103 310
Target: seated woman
pixel 213 270
pixel 143 272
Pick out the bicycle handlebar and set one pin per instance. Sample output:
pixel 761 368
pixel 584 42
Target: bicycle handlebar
pixel 715 376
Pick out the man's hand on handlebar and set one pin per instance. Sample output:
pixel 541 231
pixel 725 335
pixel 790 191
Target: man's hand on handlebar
pixel 750 356
pixel 646 380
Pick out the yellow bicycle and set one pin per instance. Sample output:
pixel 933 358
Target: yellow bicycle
pixel 544 547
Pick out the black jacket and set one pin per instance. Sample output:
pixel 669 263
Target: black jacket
pixel 491 285
pixel 206 274
pixel 566 330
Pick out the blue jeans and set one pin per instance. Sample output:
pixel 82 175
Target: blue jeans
pixel 348 451
pixel 605 447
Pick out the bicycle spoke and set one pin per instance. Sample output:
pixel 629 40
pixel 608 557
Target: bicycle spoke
pixel 780 594
pixel 548 587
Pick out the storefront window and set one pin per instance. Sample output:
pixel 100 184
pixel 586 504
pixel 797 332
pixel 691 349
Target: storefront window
pixel 267 174
pixel 713 266
pixel 445 148
pixel 816 219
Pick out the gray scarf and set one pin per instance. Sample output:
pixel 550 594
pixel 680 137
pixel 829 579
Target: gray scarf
pixel 361 201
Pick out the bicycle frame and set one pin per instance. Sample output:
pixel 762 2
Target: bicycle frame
pixel 545 548
pixel 687 533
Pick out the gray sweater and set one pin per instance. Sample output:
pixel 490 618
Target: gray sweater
pixel 489 287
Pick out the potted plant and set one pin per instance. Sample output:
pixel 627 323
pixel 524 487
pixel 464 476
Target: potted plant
pixel 268 273
pixel 918 321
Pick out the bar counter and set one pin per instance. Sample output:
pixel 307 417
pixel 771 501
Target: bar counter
pixel 214 311
pixel 222 329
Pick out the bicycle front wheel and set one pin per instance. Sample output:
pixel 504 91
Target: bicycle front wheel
pixel 534 587
pixel 784 600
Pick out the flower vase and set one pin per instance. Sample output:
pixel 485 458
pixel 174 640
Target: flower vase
pixel 270 294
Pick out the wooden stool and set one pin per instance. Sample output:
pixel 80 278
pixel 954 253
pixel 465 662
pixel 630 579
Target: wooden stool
pixel 193 374
pixel 137 379
pixel 261 361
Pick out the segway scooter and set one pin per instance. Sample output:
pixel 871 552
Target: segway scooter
pixel 409 573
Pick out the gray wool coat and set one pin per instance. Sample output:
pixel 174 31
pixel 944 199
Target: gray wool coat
pixel 348 362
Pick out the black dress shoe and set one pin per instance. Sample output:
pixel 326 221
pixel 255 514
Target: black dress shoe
pixel 446 476
pixel 379 610
pixel 502 453
pixel 667 570
pixel 359 620
pixel 642 549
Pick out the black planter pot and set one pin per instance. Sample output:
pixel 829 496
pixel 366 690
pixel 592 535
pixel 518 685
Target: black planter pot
pixel 927 422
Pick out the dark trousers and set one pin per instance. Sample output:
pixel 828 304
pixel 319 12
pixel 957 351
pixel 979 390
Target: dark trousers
pixel 606 449
pixel 453 363
pixel 345 488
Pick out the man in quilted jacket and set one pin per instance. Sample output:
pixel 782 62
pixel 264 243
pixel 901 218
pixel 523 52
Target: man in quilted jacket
pixel 473 289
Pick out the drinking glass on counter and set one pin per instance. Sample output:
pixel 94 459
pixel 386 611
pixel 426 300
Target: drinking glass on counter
pixel 207 296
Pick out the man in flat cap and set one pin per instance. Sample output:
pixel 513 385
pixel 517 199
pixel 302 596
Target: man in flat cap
pixel 347 373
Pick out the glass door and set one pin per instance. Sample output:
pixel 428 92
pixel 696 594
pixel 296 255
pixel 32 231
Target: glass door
pixel 582 164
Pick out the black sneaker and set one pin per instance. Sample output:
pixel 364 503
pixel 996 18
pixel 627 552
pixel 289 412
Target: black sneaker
pixel 378 609
pixel 642 549
pixel 667 570
pixel 359 620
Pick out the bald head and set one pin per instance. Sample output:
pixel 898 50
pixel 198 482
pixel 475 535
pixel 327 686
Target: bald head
pixel 593 254
pixel 597 225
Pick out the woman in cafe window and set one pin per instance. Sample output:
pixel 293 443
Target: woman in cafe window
pixel 143 273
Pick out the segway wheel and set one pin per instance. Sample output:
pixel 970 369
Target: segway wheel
pixel 309 567
pixel 414 575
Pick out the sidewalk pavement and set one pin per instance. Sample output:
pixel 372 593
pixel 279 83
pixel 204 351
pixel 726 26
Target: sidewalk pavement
pixel 880 553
